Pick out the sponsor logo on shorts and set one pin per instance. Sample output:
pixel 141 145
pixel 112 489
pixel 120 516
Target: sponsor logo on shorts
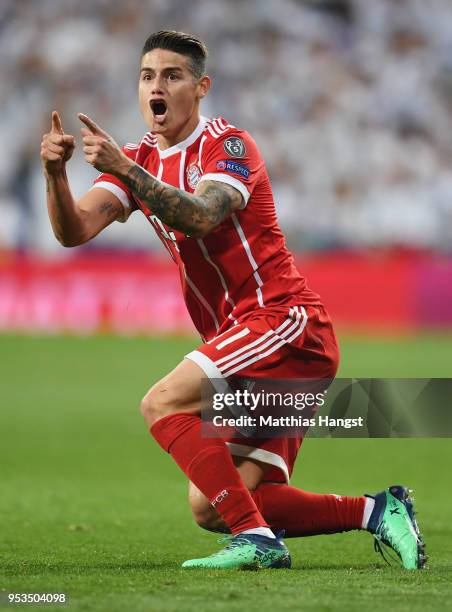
pixel 234 146
pixel 219 498
pixel 193 176
pixel 231 166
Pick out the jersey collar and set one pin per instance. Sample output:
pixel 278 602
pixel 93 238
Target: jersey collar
pixel 182 146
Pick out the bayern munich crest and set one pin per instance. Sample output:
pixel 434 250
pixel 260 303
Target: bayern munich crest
pixel 193 176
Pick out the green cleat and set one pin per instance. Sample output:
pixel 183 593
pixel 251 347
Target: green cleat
pixel 248 551
pixel 392 523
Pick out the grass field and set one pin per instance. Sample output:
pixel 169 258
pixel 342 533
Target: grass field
pixel 90 506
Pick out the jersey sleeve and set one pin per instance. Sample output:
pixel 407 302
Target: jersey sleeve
pixel 233 158
pixel 117 187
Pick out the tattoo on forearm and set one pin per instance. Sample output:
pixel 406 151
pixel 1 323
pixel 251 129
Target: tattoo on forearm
pixel 188 213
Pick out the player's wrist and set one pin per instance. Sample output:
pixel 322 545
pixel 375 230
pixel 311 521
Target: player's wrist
pixel 55 172
pixel 123 168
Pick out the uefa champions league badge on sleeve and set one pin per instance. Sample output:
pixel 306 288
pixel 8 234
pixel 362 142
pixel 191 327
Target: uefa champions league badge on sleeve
pixel 227 165
pixel 234 146
pixel 193 176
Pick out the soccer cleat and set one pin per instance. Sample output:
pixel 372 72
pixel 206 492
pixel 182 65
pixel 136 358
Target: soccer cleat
pixel 392 522
pixel 246 551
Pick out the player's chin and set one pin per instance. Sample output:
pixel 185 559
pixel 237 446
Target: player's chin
pixel 160 122
pixel 159 128
pixel 153 125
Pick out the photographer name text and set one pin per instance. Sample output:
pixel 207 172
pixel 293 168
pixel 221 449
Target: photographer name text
pixel 286 421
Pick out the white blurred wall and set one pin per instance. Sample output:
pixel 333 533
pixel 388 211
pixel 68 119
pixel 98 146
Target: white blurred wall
pixel 350 102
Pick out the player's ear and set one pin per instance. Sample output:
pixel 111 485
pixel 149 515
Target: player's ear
pixel 204 85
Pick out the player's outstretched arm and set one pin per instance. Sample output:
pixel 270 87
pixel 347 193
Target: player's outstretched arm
pixel 192 214
pixel 73 223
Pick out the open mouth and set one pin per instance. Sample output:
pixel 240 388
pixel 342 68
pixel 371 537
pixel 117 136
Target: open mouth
pixel 158 107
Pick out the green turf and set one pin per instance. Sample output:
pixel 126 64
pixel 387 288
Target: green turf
pixel 90 506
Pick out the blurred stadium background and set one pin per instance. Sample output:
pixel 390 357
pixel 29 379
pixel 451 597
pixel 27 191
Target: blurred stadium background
pixel 350 102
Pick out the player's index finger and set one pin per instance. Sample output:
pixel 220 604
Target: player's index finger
pixel 92 125
pixel 56 123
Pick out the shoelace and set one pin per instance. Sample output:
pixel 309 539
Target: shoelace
pixel 385 549
pixel 386 552
pixel 234 542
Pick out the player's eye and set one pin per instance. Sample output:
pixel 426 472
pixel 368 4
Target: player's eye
pixel 172 76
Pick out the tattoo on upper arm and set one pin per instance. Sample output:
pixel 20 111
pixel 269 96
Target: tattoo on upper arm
pixel 109 209
pixel 192 214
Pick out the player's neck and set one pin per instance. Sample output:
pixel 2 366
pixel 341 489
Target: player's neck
pixel 165 141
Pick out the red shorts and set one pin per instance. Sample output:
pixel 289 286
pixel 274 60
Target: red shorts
pixel 279 343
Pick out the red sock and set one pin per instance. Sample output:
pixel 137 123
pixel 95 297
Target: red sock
pixel 208 464
pixel 301 513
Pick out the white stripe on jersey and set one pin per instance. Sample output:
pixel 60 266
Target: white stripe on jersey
pixel 211 131
pixel 154 221
pixel 148 142
pixel 202 299
pixel 221 121
pixel 251 259
pixel 284 340
pixel 201 144
pixel 183 155
pixel 217 127
pixel 214 128
pixel 207 257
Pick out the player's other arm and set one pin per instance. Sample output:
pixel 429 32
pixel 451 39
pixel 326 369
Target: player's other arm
pixel 73 222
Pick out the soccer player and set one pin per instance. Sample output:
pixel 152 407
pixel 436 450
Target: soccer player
pixel 202 185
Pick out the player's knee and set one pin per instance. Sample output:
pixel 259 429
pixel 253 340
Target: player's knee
pixel 158 403
pixel 207 518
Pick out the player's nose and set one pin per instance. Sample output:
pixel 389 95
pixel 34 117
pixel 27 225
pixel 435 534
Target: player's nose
pixel 157 85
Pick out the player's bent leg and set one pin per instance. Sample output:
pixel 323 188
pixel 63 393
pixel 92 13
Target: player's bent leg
pixel 296 512
pixel 171 408
pixel 389 517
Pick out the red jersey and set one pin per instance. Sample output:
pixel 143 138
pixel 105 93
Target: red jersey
pixel 243 265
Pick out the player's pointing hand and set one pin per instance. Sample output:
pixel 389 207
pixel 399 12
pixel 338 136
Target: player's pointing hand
pixel 56 147
pixel 92 126
pixel 100 150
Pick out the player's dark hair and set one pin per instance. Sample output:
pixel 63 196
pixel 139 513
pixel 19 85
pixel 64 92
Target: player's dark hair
pixel 182 43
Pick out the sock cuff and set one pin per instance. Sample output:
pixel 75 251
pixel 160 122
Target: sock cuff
pixel 369 505
pixel 167 429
